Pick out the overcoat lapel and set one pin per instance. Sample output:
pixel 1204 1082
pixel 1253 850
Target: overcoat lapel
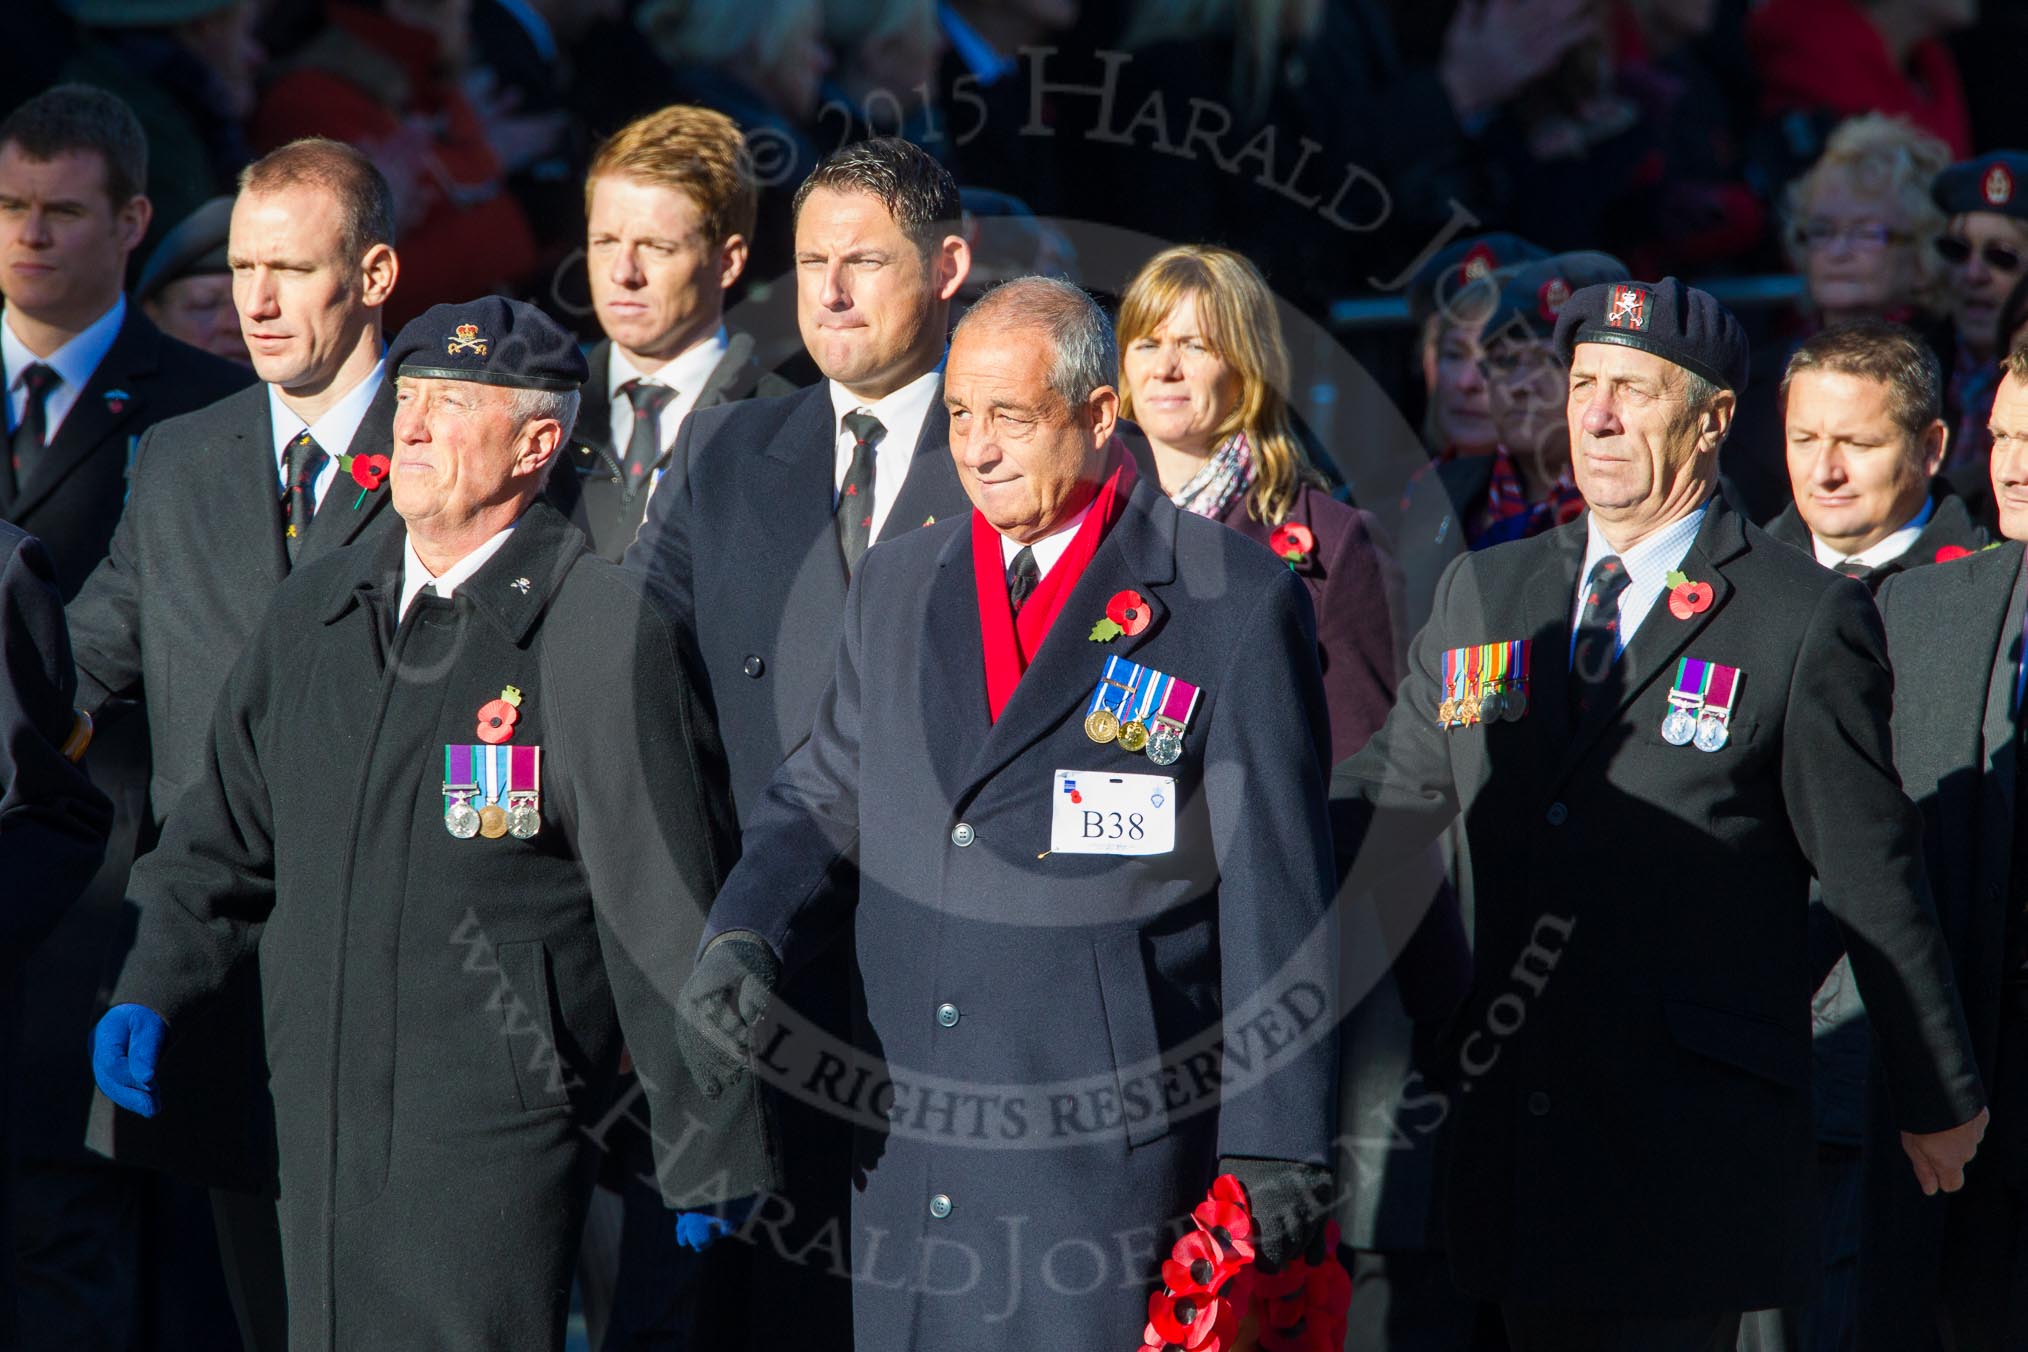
pixel 110 401
pixel 2002 745
pixel 249 491
pixel 1662 637
pixel 918 497
pixel 1139 553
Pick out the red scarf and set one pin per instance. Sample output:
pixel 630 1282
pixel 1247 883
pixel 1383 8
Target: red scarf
pixel 1010 645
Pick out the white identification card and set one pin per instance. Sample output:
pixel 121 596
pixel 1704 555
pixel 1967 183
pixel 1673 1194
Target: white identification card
pixel 1100 813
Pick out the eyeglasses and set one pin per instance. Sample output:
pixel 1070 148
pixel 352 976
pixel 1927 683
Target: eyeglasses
pixel 1956 250
pixel 1870 236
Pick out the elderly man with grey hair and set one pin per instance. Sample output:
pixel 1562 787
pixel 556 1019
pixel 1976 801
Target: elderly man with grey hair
pixel 461 808
pixel 1073 758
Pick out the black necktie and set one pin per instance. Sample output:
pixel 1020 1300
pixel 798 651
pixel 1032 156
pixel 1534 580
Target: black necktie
pixel 31 434
pixel 644 446
pixel 854 517
pixel 302 460
pixel 1592 666
pixel 1022 576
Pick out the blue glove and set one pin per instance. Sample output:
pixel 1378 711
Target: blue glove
pixel 124 1049
pixel 699 1230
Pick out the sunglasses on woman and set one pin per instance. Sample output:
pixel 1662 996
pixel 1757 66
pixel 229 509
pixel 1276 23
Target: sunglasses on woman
pixel 1956 250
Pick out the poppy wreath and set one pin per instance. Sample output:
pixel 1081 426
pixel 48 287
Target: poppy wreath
pixel 1213 1298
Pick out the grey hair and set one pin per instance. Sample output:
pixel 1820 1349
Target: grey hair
pixel 535 405
pixel 1085 353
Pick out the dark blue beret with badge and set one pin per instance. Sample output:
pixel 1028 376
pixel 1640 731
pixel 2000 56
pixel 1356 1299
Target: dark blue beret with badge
pixel 1675 322
pixel 1458 266
pixel 1993 182
pixel 1534 294
pixel 492 340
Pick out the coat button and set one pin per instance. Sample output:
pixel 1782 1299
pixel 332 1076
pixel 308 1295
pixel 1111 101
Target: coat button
pixel 1558 814
pixel 1538 1104
pixel 753 666
pixel 712 1088
pixel 947 1016
pixel 940 1205
pixel 963 835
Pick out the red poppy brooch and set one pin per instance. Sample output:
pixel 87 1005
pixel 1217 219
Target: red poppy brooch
pixel 1293 541
pixel 368 471
pixel 1949 552
pixel 1213 1298
pixel 1687 598
pixel 1127 613
pixel 497 717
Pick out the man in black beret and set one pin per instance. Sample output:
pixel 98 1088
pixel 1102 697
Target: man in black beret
pixel 1657 724
pixel 1983 247
pixel 462 808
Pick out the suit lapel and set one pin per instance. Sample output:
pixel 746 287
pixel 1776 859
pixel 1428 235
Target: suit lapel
pixel 789 490
pixel 1139 553
pixel 1547 599
pixel 919 497
pixel 1662 637
pixel 338 522
pixel 2001 714
pixel 250 492
pixel 109 401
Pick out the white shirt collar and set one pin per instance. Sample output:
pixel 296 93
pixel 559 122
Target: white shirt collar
pixel 414 576
pixel 685 372
pixel 74 363
pixel 1881 551
pixel 1051 546
pixel 333 431
pixel 898 410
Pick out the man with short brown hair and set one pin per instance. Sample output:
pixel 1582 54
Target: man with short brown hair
pixel 670 201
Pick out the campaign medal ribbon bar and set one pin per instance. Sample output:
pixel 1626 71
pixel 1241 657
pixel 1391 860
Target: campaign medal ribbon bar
pixel 1154 689
pixel 461 786
pixel 493 817
pixel 1714 722
pixel 1165 742
pixel 1494 665
pixel 1447 707
pixel 1109 699
pixel 524 791
pixel 1686 700
pixel 1514 695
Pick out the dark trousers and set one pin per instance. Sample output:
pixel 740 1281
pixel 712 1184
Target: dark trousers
pixel 1984 1285
pixel 78 1254
pixel 1827 1323
pixel 1534 1328
pixel 250 1251
pixel 1410 1302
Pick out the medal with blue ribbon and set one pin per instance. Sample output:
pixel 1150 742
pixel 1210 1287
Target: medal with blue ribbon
pixel 494 763
pixel 1686 698
pixel 1109 699
pixel 1514 695
pixel 1154 689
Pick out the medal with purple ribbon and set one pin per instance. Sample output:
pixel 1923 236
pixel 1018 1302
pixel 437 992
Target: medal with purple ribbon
pixel 1714 723
pixel 461 786
pixel 1686 699
pixel 1165 742
pixel 524 791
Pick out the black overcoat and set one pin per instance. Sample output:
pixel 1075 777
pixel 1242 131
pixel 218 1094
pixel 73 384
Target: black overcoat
pixel 443 1016
pixel 1631 1113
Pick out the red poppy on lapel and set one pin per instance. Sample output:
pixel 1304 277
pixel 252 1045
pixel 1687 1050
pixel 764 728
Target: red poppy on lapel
pixel 368 471
pixel 1949 552
pixel 497 717
pixel 1126 613
pixel 1294 541
pixel 1687 598
pixel 116 401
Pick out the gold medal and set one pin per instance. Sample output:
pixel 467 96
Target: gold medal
pixel 1444 712
pixel 492 821
pixel 1133 736
pixel 1101 725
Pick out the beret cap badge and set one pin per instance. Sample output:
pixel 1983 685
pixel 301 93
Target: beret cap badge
pixel 466 339
pixel 1628 308
pixel 1999 186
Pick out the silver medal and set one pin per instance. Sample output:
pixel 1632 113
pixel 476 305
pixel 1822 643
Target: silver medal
pixel 523 821
pixel 1712 732
pixel 461 820
pixel 1165 747
pixel 1679 727
pixel 1514 702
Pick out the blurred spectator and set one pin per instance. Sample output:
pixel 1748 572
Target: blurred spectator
pixel 385 75
pixel 523 68
pixel 1860 225
pixel 187 69
pixel 2013 328
pixel 1983 246
pixel 1007 241
pixel 887 53
pixel 1847 57
pixel 1449 300
pixel 761 63
pixel 186 284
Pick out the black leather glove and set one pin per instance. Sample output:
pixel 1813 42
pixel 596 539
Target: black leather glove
pixel 1290 1203
pixel 716 1011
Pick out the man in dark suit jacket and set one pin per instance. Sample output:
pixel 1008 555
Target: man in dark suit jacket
pixel 1033 988
pixel 1948 1272
pixel 1864 434
pixel 671 202
pixel 85 376
pixel 754 532
pixel 1702 728
pixel 52 821
pixel 213 526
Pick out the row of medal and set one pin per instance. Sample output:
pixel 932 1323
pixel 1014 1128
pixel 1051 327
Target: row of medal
pixel 493 791
pixel 1485 683
pixel 1701 702
pixel 1142 710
